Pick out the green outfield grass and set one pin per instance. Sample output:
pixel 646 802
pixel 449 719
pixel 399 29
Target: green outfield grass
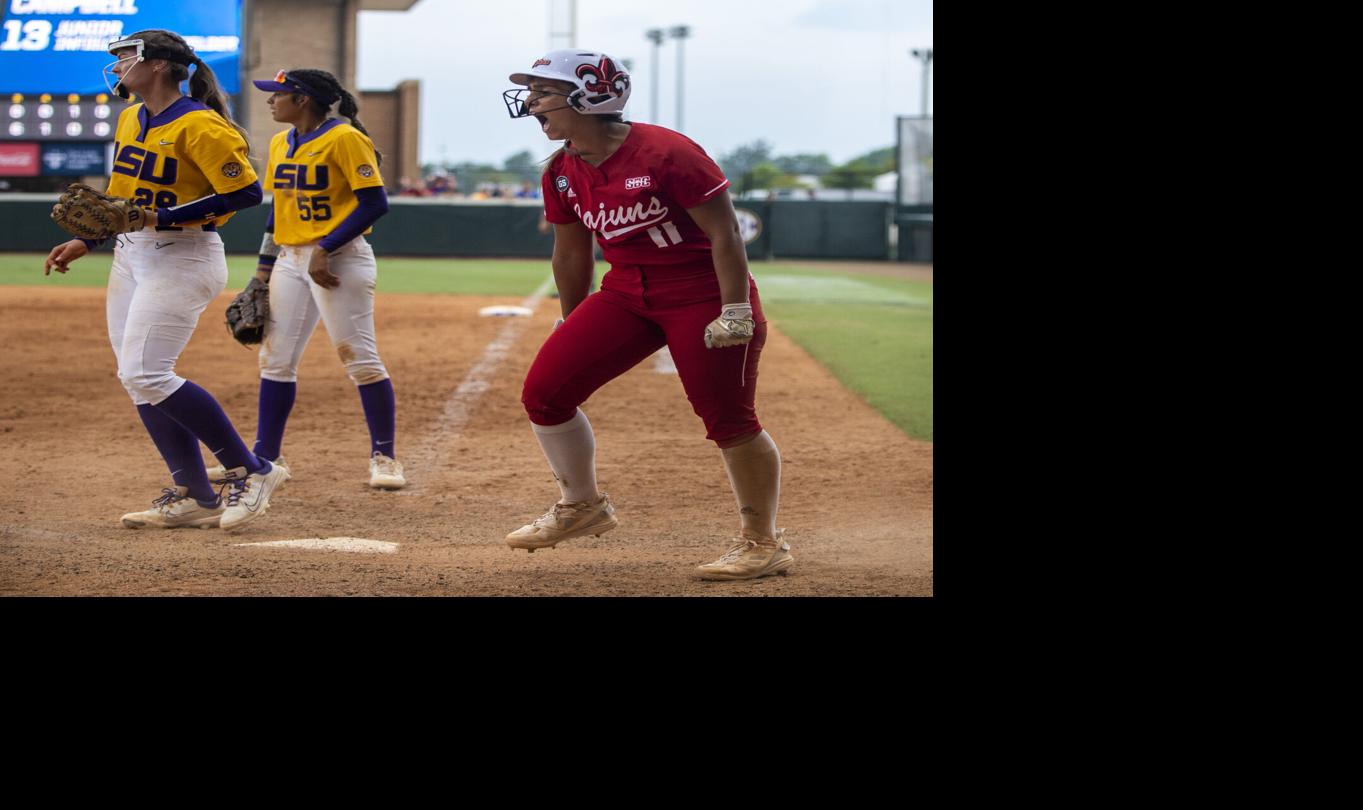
pixel 470 277
pixel 873 333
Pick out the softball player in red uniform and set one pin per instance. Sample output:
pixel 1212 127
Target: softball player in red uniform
pixel 185 160
pixel 656 203
pixel 327 194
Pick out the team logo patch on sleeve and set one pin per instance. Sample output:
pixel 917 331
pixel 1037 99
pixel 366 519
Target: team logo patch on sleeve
pixel 232 169
pixel 561 183
pixel 365 170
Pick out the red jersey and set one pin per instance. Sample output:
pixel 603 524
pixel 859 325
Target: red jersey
pixel 635 202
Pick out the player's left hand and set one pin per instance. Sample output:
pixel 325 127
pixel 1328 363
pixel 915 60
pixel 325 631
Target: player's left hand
pixel 733 327
pixel 320 271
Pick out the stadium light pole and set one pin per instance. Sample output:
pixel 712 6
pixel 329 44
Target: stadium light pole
pixel 679 33
pixel 554 34
pixel 924 54
pixel 654 35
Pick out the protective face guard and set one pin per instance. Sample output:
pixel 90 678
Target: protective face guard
pixel 117 87
pixel 518 107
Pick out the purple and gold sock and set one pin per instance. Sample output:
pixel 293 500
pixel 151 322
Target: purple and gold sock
pixel 380 413
pixel 180 450
pixel 197 410
pixel 276 401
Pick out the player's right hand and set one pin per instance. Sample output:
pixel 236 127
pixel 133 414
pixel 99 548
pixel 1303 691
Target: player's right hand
pixel 733 327
pixel 64 254
pixel 319 268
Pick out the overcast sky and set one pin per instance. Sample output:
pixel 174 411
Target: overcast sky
pixel 806 75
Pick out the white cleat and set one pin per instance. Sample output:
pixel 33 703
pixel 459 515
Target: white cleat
pixel 175 510
pixel 386 473
pixel 564 521
pixel 752 556
pixel 218 475
pixel 248 497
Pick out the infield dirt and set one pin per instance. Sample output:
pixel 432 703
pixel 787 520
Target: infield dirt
pixel 856 492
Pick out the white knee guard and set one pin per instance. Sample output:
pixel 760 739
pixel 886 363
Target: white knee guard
pixel 362 371
pixel 150 387
pixel 277 365
pixel 147 362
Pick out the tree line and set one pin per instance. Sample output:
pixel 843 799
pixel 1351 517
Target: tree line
pixel 750 166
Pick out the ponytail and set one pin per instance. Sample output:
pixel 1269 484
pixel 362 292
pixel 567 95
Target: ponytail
pixel 329 88
pixel 203 84
pixel 204 87
pixel 350 110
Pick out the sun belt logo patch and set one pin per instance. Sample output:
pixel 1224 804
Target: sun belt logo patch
pixel 638 182
pixel 561 183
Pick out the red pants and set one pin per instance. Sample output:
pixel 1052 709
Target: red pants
pixel 637 312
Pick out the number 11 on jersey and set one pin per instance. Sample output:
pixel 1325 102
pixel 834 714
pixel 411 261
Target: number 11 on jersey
pixel 672 233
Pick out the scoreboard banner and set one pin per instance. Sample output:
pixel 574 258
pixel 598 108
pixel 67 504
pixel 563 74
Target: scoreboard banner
pixel 75 159
pixel 19 160
pixel 58 47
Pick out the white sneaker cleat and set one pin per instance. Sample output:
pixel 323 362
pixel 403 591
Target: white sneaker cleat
pixel 386 473
pixel 564 522
pixel 248 497
pixel 174 510
pixel 752 556
pixel 218 475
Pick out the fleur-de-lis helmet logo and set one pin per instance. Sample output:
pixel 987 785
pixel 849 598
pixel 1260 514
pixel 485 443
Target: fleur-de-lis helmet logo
pixel 603 80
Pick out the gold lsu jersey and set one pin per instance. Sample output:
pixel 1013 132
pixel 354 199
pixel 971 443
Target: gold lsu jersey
pixel 184 153
pixel 314 178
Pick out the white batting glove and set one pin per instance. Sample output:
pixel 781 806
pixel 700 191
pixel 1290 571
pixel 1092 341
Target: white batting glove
pixel 733 327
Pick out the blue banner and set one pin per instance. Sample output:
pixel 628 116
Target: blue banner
pixel 74 159
pixel 60 46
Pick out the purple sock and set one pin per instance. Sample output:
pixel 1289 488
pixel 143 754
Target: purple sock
pixel 200 413
pixel 380 412
pixel 180 450
pixel 276 401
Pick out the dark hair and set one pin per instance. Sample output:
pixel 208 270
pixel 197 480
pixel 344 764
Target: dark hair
pixel 613 118
pixel 330 87
pixel 203 85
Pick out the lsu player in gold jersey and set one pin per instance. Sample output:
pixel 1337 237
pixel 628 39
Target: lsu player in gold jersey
pixel 184 160
pixel 324 173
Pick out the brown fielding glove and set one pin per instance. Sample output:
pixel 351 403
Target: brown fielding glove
pixel 248 312
pixel 88 213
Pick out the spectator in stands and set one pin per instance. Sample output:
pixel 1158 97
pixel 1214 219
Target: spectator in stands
pixel 439 185
pixel 406 188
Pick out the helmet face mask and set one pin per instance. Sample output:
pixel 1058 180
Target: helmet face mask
pixel 117 87
pixel 518 102
pixel 602 86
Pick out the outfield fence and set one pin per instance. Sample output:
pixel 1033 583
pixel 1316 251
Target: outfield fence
pixel 786 229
